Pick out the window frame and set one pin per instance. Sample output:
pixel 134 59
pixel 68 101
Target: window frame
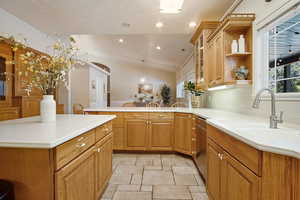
pixel 261 69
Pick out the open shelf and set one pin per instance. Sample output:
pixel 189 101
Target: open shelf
pixel 238 54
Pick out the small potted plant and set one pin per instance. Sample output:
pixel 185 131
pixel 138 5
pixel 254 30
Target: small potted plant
pixel 165 94
pixel 194 94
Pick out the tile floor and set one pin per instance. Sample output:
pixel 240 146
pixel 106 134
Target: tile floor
pixel 154 177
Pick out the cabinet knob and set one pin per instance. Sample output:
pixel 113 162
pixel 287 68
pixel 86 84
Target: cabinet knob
pixel 80 145
pixel 80 139
pixel 193 139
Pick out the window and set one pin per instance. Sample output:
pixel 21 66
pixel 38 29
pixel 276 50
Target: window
pixel 284 56
pixel 180 90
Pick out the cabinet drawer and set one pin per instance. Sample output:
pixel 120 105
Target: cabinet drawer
pixel 67 151
pixel 161 116
pixel 136 115
pixel 103 131
pixel 247 155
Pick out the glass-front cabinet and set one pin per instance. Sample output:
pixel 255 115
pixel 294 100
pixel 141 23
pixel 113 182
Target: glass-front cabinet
pixel 5 74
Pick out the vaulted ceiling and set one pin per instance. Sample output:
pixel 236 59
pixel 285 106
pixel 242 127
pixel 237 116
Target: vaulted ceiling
pixel 100 23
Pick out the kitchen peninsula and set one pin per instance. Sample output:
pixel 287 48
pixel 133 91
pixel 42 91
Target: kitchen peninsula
pixel 243 154
pixel 68 159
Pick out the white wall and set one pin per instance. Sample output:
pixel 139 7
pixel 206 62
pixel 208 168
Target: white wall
pixel 240 99
pixel 126 75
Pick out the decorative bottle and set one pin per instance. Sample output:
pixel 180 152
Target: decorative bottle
pixel 234 46
pixel 242 44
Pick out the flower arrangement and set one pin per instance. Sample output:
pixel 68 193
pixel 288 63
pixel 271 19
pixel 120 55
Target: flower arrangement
pixel 46 72
pixel 193 89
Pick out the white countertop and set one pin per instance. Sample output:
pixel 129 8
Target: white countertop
pixel 252 130
pixel 31 133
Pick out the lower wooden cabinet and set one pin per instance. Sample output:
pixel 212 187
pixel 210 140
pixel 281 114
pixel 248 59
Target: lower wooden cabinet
pixel 118 140
pixel 237 181
pixel 183 133
pixel 228 179
pixel 76 181
pixel 161 135
pixel 103 158
pixel 214 166
pixel 136 134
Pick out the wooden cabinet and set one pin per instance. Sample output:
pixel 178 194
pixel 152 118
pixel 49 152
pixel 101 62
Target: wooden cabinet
pixel 76 181
pixel 214 166
pixel 237 181
pixel 103 157
pixel 161 135
pixel 8 113
pixel 228 179
pixel 183 133
pixel 5 81
pixel 219 59
pixel 136 134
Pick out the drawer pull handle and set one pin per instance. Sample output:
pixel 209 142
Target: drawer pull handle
pixel 106 129
pixel 193 139
pixel 80 145
pixel 80 139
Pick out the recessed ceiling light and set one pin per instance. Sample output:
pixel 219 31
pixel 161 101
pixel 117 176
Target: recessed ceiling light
pixel 159 24
pixel 192 24
pixel 121 40
pixel 171 6
pixel 158 47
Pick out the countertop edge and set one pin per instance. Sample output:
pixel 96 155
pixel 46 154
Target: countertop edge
pixel 39 145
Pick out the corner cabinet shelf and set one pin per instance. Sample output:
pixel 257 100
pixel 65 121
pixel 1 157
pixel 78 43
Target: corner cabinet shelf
pixel 219 61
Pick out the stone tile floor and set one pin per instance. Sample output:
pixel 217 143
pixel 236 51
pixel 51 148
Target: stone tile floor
pixel 154 177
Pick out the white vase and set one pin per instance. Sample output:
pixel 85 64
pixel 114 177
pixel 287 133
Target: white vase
pixel 48 109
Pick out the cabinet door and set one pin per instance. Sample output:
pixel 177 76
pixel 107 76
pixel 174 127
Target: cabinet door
pixel 238 182
pixel 214 166
pixel 76 181
pixel 211 63
pixel 103 164
pixel 118 141
pixel 161 135
pixel 219 59
pixel 5 81
pixel 183 133
pixel 136 134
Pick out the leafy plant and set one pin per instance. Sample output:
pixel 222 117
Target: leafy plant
pixel 165 94
pixel 193 89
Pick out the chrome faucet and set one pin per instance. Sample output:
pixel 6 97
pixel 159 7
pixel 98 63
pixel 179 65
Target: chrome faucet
pixel 273 118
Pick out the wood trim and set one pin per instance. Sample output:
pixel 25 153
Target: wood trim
pixel 203 25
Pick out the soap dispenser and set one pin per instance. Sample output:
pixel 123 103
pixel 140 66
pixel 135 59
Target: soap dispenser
pixel 242 44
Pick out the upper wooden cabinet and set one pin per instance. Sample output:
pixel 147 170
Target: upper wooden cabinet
pixel 20 80
pixel 6 57
pixel 201 54
pixel 214 61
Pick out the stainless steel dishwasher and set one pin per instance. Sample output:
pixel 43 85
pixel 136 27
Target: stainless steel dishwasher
pixel 201 137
